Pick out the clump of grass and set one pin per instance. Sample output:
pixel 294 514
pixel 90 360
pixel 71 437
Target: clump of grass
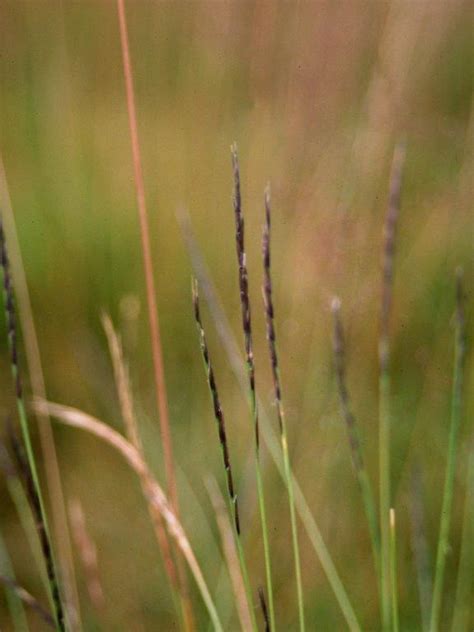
pixel 272 346
pixel 229 344
pixel 27 462
pixel 250 362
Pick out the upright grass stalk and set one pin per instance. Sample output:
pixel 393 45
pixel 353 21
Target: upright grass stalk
pixel 29 470
pixel 155 494
pixel 385 421
pixel 393 571
pixel 220 421
pixel 358 460
pixel 247 330
pixel 448 492
pixel 272 346
pixel 155 337
pixel 465 579
pixel 59 522
pixel 231 347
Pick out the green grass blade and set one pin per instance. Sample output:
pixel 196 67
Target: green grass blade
pixel 448 493
pixel 393 572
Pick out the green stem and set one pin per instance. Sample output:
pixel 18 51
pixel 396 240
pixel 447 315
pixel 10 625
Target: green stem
pixel 448 493
pixel 384 490
pixel 266 546
pixel 465 580
pixel 294 531
pixel 393 571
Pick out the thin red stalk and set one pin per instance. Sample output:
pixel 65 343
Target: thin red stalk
pixel 155 338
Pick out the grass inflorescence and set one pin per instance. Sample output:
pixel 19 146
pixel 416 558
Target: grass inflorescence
pixel 26 462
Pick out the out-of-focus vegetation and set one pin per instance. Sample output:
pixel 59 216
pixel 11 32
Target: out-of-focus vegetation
pixel 316 95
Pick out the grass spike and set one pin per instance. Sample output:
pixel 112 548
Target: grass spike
pixel 28 462
pixel 220 420
pixel 271 337
pixel 249 357
pixel 231 347
pixel 385 421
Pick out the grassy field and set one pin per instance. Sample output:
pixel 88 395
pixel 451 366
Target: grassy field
pixel 317 96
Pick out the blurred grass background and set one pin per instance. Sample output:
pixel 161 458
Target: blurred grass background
pixel 316 94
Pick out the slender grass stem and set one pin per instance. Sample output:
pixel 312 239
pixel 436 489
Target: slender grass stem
pixel 393 571
pixel 59 522
pixel 155 336
pixel 385 420
pixel 465 579
pixel 271 337
pixel 29 472
pixel 250 362
pixel 231 347
pixel 353 435
pixel 448 493
pixel 220 421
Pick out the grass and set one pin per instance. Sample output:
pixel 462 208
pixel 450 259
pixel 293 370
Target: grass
pixel 161 509
pixel 294 546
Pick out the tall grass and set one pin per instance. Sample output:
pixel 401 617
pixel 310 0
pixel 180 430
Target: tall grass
pixel 272 346
pixel 453 448
pixel 155 336
pixel 250 362
pixel 219 417
pixel 385 415
pixel 26 462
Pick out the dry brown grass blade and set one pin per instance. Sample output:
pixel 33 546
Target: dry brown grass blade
pixel 88 554
pixel 155 494
pixel 230 553
pixel 48 448
pixel 155 337
pixel 124 391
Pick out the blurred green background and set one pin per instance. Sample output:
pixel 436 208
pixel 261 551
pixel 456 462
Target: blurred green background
pixel 316 94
